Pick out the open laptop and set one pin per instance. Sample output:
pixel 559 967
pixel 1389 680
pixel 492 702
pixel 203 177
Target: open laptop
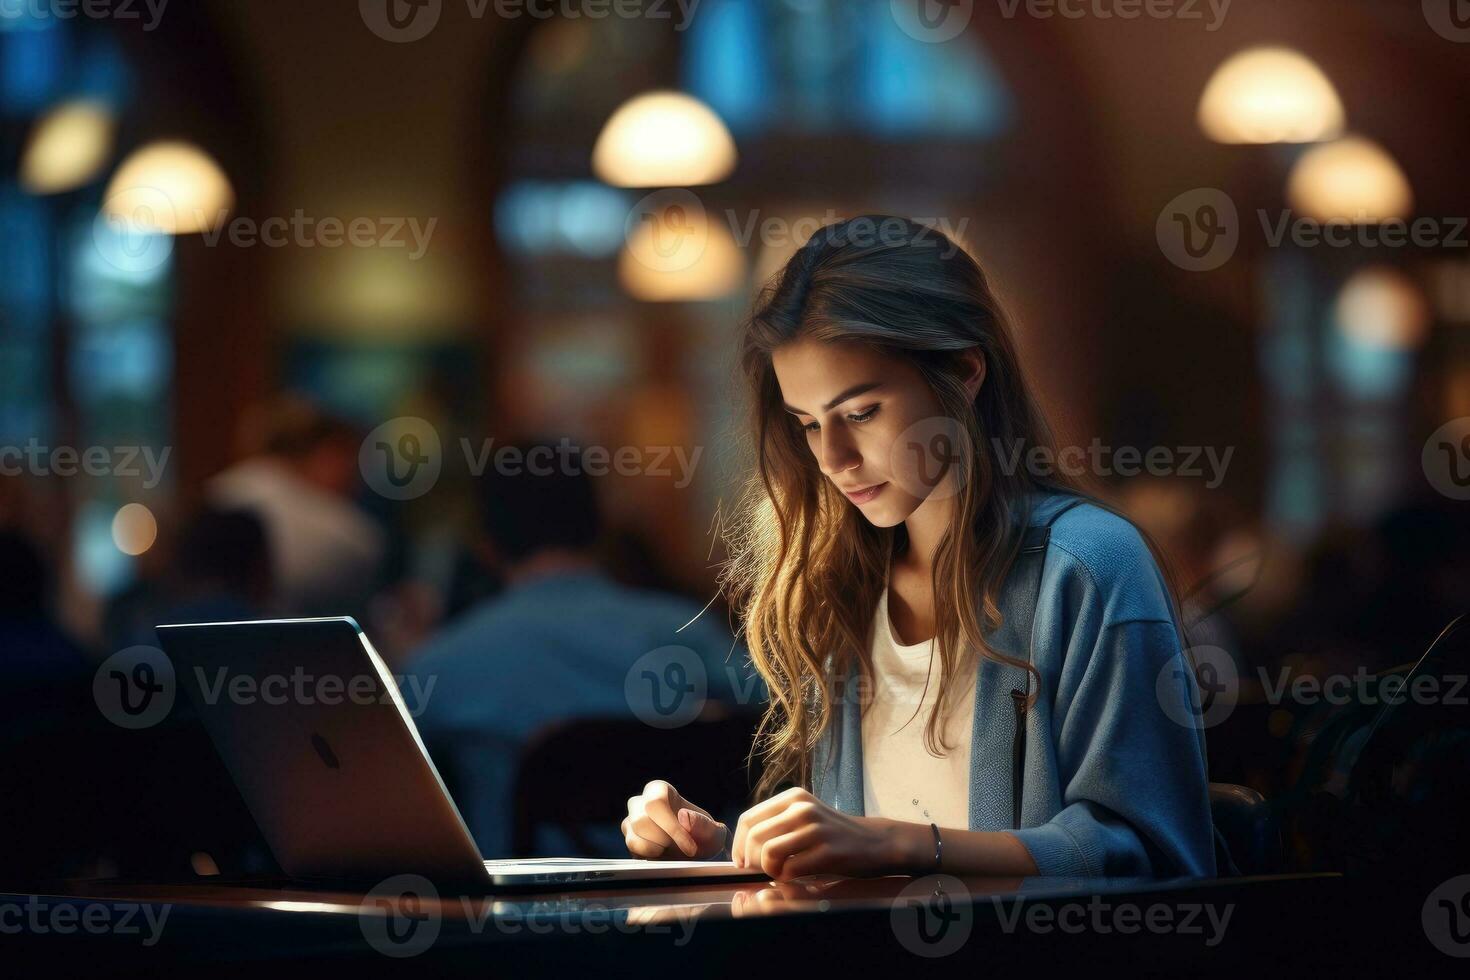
pixel 315 732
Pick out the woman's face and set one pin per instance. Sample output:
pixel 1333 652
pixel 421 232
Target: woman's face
pixel 870 421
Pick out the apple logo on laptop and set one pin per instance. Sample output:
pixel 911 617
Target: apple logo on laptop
pixel 328 757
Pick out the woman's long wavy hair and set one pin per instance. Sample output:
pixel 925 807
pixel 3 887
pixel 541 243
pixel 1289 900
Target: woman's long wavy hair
pixel 805 568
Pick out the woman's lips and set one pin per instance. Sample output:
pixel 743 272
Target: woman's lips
pixel 863 496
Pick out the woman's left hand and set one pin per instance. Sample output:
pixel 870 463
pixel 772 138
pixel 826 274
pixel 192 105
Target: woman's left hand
pixel 794 834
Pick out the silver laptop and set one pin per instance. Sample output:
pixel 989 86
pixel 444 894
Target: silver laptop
pixel 314 731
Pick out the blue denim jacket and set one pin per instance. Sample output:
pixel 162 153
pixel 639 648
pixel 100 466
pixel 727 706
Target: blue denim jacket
pixel 1114 778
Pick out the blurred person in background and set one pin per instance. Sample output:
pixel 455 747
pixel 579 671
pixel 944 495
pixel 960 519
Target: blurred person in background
pixel 35 651
pixel 44 693
pixel 555 644
pixel 327 553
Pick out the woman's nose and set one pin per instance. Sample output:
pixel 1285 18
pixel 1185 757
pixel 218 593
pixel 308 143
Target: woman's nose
pixel 837 454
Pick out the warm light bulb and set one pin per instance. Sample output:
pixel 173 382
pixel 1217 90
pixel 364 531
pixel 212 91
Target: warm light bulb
pixel 172 188
pixel 677 253
pixel 1352 179
pixel 1270 95
pixel 663 139
pixel 134 529
pixel 1382 307
pixel 68 148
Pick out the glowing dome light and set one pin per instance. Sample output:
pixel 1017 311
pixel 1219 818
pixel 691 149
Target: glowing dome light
pixel 1352 179
pixel 663 139
pixel 173 188
pixel 1270 95
pixel 1382 307
pixel 134 529
pixel 68 148
pixel 701 262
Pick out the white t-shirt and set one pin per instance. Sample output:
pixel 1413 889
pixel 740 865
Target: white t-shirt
pixel 901 780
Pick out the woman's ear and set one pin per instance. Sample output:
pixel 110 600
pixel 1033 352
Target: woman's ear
pixel 972 363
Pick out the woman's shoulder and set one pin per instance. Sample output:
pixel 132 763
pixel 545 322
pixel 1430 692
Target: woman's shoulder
pixel 1104 554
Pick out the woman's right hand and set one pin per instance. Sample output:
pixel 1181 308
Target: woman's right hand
pixel 661 824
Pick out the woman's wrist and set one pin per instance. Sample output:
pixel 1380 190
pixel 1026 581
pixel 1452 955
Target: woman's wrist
pixel 910 848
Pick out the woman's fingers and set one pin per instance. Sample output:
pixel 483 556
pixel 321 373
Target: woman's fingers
pixel 816 859
pixel 782 812
pixel 774 840
pixel 659 805
pixel 708 833
pixel 642 834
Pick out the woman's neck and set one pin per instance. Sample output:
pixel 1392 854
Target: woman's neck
pixel 925 528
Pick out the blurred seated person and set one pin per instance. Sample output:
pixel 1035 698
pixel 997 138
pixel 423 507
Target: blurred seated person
pixel 35 653
pixel 45 690
pixel 327 552
pixel 222 568
pixel 556 643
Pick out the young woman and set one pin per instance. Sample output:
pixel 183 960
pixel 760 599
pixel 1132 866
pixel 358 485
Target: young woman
pixel 973 667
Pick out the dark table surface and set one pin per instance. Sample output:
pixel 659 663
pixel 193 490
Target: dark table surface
pixel 1217 927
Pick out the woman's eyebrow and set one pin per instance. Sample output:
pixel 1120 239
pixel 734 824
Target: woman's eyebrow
pixel 852 392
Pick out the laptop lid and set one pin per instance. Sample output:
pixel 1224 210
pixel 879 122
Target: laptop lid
pixel 316 735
